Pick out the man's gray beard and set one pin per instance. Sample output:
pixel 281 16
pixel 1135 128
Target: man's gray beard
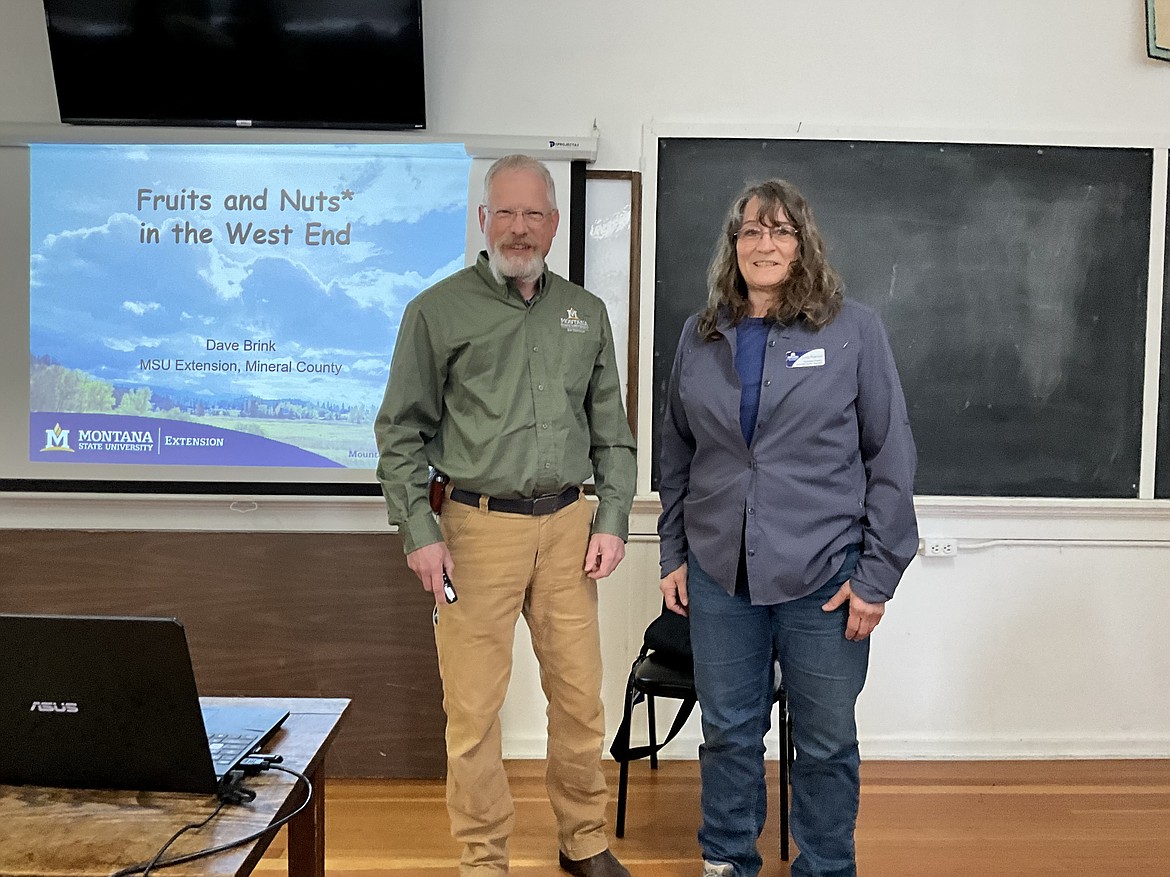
pixel 504 268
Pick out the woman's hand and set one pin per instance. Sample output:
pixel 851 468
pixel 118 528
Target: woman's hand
pixel 863 617
pixel 674 590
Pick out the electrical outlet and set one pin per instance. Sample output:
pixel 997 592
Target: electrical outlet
pixel 937 547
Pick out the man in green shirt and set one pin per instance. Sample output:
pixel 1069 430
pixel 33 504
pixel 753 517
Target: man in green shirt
pixel 504 379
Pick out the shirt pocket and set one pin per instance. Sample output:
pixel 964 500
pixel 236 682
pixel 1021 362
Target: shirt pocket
pixel 824 390
pixel 579 352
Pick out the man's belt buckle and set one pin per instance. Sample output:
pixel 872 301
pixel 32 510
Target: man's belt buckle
pixel 547 504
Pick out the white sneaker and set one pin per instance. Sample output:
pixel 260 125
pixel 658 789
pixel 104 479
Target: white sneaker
pixel 718 869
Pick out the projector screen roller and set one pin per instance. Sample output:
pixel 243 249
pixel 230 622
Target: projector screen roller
pixel 215 314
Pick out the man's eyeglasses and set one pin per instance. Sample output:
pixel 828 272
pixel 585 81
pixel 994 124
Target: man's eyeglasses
pixel 507 217
pixel 753 234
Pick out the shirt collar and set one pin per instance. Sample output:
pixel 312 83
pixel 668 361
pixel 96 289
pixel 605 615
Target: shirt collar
pixel 723 324
pixel 723 321
pixel 508 290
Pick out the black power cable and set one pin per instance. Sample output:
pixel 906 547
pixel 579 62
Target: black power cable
pixel 252 766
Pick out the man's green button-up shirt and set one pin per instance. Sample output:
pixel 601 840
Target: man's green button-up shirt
pixel 509 399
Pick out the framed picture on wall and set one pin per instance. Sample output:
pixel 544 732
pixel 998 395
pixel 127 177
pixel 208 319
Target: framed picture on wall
pixel 612 256
pixel 1158 29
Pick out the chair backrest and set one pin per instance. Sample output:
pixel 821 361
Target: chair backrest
pixel 668 638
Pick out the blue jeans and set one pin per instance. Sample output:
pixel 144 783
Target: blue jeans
pixel 734 643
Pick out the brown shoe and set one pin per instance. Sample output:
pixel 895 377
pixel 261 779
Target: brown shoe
pixel 604 864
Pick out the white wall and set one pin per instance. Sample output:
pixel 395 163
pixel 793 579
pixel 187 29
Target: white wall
pixel 1043 636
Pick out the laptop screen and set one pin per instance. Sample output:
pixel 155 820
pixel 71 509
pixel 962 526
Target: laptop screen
pixel 102 702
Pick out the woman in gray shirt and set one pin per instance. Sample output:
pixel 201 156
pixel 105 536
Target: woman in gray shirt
pixel 787 521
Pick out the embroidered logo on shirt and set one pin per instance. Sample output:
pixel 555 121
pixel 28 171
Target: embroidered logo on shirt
pixel 573 322
pixel 804 358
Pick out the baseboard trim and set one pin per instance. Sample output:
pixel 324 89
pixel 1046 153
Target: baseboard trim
pixel 686 746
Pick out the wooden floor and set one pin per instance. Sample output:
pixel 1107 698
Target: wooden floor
pixel 918 819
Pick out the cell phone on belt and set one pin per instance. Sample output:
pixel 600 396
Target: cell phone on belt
pixel 449 589
pixel 436 491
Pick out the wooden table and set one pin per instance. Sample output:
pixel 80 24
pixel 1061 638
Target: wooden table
pixel 48 832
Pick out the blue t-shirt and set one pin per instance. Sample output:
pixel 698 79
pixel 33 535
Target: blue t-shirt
pixel 751 338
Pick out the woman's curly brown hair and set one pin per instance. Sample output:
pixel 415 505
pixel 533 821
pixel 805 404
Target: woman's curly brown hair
pixel 812 289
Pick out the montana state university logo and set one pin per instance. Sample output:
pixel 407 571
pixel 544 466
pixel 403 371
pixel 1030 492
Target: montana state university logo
pixel 573 322
pixel 57 439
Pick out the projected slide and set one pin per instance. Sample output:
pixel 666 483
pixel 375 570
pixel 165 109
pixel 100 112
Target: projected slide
pixel 228 305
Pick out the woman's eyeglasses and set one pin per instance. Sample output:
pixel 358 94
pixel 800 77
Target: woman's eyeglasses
pixel 753 234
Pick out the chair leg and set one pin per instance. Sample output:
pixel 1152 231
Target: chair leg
pixel 653 731
pixel 785 764
pixel 623 779
pixel 624 767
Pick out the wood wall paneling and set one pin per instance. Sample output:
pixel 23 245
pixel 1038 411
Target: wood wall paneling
pixel 266 614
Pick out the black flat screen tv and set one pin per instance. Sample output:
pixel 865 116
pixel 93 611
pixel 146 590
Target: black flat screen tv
pixel 354 64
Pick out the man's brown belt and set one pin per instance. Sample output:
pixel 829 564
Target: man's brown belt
pixel 540 505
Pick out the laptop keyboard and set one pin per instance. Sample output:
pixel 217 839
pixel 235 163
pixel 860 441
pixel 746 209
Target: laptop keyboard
pixel 226 748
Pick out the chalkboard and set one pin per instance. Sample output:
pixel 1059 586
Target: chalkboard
pixel 1162 468
pixel 1012 280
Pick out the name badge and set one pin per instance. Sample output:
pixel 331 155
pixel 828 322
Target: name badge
pixel 804 358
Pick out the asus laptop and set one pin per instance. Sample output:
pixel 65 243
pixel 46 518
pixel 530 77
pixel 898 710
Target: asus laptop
pixel 110 703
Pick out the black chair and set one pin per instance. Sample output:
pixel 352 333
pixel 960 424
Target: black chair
pixel 652 677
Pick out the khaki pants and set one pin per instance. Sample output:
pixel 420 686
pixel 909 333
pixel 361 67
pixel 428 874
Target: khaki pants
pixel 507 565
